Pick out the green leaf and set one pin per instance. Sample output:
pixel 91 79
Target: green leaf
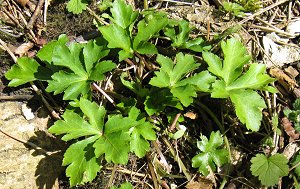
pixel 69 57
pixel 238 86
pixel 234 8
pixel 100 69
pixel 82 71
pixel 83 165
pixel 214 63
pixel 172 76
pixel 134 86
pixel 183 32
pixel 147 28
pixel 123 15
pixel 71 84
pixel 117 37
pixel 254 78
pixel 158 100
pixel 235 57
pixel 248 106
pixel 115 146
pixel 211 154
pixel 178 32
pixel 142 132
pixel 77 6
pixel 201 81
pixel 46 53
pixel 185 94
pixel 74 126
pixel 94 113
pixel 115 141
pixel 26 70
pixel 269 169
pixel 92 53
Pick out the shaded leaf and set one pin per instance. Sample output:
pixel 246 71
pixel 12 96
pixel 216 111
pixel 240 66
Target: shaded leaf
pixel 211 154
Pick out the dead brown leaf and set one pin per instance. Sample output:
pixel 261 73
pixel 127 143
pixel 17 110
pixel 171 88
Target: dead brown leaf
pixel 24 48
pixel 289 129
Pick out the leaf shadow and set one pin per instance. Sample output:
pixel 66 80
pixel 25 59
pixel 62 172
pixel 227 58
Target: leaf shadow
pixel 49 168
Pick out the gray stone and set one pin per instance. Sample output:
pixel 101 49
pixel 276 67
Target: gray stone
pixel 21 166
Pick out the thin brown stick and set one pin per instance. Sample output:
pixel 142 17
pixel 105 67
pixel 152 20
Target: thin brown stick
pixel 173 125
pixel 35 14
pixel 268 29
pixel 104 93
pixel 152 172
pixel 96 16
pixel 162 157
pixel 177 159
pixel 128 172
pixel 34 146
pixel 111 178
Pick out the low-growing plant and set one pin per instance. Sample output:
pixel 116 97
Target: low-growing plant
pixel 158 81
pixel 269 169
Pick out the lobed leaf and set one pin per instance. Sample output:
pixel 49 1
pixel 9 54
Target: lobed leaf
pixel 248 106
pixel 115 147
pixel 178 32
pixel 147 28
pixel 210 154
pixel 26 70
pixel 117 38
pixel 254 78
pixel 123 14
pixel 82 71
pixel 83 165
pixel 172 75
pixel 269 169
pixel 74 126
pixel 46 53
pixel 235 57
pixel 77 6
pixel 140 133
pixel 239 87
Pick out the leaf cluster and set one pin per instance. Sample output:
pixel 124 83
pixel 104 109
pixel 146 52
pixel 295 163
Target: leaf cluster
pixel 96 138
pixel 240 87
pixel 211 154
pixel 169 87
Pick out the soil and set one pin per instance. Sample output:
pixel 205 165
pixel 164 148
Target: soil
pixel 209 21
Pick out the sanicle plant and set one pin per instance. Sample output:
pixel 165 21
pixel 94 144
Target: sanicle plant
pixel 173 81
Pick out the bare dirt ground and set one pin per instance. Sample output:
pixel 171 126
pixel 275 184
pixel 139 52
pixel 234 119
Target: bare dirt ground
pixel 271 34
